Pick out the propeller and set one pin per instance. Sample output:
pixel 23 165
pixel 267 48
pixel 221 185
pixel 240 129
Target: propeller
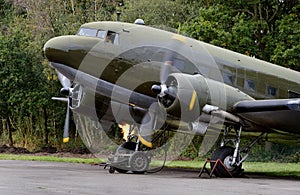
pixel 164 73
pixel 163 91
pixel 66 90
pixel 156 115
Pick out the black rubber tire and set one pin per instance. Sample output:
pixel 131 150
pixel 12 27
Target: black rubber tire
pixel 221 153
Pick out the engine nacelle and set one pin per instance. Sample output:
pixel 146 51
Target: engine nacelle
pixel 190 93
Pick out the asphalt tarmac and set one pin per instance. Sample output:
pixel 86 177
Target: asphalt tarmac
pixel 32 177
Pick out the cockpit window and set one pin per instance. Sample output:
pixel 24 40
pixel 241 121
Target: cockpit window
pixel 101 34
pixel 112 37
pixel 89 32
pixel 108 36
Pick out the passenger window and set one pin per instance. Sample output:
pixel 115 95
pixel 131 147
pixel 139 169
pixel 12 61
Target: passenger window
pixel 250 85
pixel 272 91
pixel 228 78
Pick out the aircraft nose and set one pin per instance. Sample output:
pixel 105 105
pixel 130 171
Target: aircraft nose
pixel 56 48
pixel 69 50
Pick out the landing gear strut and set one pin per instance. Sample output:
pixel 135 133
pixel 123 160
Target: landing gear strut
pixel 231 156
pixel 225 154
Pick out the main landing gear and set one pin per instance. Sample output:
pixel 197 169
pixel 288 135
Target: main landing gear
pixel 231 157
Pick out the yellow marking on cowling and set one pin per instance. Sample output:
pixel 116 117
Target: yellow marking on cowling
pixel 66 139
pixel 133 105
pixel 145 142
pixel 179 38
pixel 193 100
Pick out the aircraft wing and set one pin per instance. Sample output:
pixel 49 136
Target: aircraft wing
pixel 104 88
pixel 280 114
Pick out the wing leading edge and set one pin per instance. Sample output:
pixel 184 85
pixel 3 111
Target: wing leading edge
pixel 280 114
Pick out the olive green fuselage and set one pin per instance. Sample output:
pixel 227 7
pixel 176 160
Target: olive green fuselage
pixel 135 61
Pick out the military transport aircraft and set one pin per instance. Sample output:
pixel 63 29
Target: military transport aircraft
pixel 157 80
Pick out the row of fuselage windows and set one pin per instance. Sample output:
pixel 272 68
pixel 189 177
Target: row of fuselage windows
pixel 108 36
pixel 250 85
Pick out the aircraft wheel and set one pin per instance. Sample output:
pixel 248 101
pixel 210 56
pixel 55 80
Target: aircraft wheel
pixel 225 154
pixel 139 162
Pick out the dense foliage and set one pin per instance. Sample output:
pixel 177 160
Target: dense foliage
pixel 266 29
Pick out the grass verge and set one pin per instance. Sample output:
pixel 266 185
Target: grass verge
pixel 291 170
pixel 50 158
pixel 287 170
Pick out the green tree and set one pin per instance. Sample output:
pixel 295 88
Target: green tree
pixel 25 97
pixel 169 13
pixel 27 111
pixel 286 45
pixel 268 30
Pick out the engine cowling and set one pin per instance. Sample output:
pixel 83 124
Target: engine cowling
pixel 186 95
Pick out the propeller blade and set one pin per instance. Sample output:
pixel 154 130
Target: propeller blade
pixel 146 130
pixel 66 90
pixel 66 126
pixel 169 58
pixel 62 99
pixel 153 120
pixel 64 81
pixel 165 71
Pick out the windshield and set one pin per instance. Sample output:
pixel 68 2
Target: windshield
pixel 87 32
pixel 108 36
pixel 91 32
